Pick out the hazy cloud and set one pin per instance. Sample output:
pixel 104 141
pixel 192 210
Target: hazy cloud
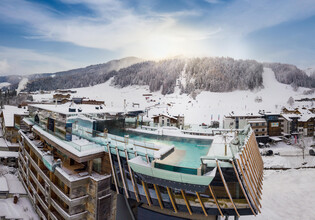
pixel 24 61
pixel 4 66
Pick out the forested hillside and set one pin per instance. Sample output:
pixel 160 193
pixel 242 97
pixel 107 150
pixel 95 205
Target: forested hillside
pixel 290 74
pixel 193 75
pixel 81 77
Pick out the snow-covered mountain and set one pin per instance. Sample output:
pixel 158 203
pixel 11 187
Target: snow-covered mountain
pixel 215 74
pixel 88 76
pixel 192 75
pixel 80 77
pixel 205 107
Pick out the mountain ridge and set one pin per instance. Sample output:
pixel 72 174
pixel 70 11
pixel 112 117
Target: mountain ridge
pixel 216 74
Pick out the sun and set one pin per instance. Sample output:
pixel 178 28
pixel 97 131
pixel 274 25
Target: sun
pixel 164 46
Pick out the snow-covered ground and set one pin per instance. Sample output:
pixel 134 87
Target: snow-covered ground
pixel 23 209
pixel 289 156
pixel 207 105
pixel 287 195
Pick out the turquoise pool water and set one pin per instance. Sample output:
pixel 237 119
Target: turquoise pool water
pixel 194 148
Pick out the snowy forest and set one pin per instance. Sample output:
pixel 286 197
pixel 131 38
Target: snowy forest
pixel 76 78
pixel 191 75
pixel 290 74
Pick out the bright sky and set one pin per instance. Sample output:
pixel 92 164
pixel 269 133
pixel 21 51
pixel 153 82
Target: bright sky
pixel 54 35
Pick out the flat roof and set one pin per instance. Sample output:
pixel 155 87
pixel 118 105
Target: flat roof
pixel 256 120
pixel 6 154
pixel 3 184
pixel 64 108
pixel 217 147
pixel 84 108
pixel 8 114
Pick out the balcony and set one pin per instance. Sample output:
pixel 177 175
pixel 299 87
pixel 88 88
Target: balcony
pixel 65 198
pixel 41 188
pixel 70 202
pixel 64 213
pixel 41 201
pixel 34 164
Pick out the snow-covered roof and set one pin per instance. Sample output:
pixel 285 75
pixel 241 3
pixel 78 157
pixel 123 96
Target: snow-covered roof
pixel 5 154
pixel 287 116
pixel 303 117
pixel 166 115
pixel 257 120
pixel 8 114
pixel 271 113
pixel 81 108
pixel 3 184
pixel 14 184
pixel 71 146
pixel 243 114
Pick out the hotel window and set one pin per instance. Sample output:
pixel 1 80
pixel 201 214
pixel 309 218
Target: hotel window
pixel 97 165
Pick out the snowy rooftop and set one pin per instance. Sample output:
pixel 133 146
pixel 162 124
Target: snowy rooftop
pixel 3 184
pixel 8 114
pixel 303 117
pixel 5 154
pixel 78 109
pixel 81 108
pixel 257 120
pixel 79 148
pixel 218 145
pixel 166 115
pixel 243 114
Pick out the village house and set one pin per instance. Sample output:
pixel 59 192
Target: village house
pixel 299 121
pixel 239 121
pixel 259 125
pixel 168 120
pixel 59 96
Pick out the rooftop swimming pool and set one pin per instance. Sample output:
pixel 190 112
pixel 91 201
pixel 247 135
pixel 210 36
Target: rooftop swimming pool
pixel 190 150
